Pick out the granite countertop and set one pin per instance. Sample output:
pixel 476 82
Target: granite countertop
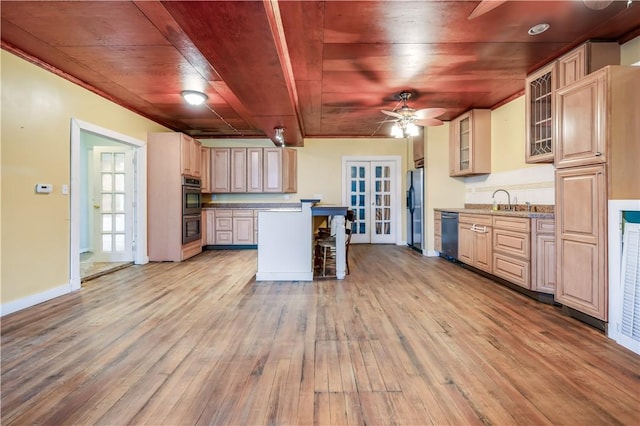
pixel 251 205
pixel 517 213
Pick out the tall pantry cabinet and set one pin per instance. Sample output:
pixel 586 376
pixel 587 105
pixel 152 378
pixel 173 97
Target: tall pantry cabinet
pixel 597 153
pixel 170 156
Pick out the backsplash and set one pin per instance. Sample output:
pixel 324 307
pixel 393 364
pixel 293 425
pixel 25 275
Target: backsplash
pixel 535 185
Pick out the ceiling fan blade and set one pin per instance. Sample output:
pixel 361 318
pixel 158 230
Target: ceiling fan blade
pixel 597 4
pixel 431 122
pixel 429 113
pixel 484 7
pixel 391 113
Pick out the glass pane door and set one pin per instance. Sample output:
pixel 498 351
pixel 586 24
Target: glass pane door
pixel 112 204
pixel 371 193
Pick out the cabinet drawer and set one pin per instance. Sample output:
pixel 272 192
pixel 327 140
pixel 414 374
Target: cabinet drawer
pixel 545 226
pixel 511 242
pixel 243 213
pixel 224 223
pixel 223 212
pixel 479 219
pixel 512 269
pixel 521 224
pixel 224 237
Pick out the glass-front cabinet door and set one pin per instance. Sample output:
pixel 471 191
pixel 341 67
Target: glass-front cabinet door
pixel 539 115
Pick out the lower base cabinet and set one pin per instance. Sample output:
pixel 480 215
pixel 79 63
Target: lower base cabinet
pixel 520 250
pixel 227 227
pixel 474 241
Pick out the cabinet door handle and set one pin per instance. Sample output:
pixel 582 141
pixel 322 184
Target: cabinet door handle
pixel 598 154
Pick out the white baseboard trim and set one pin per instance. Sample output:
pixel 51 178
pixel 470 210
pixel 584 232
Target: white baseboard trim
pixel 432 253
pixel 284 276
pixel 34 299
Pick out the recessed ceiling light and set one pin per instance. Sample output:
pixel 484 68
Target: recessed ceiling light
pixel 194 98
pixel 538 29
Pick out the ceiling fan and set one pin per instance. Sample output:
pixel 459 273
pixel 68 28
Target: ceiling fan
pixel 488 5
pixel 407 119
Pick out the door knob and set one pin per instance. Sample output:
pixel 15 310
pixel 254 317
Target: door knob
pixel 96 206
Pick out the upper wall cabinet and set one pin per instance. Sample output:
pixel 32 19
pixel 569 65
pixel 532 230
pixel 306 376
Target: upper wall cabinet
pixel 205 169
pixel 220 170
pixel 542 84
pixel 539 114
pixel 470 143
pixel 190 157
pixel 255 170
pixel 585 59
pixel 280 170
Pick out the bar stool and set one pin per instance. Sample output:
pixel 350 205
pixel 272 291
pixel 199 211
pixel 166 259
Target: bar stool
pixel 327 246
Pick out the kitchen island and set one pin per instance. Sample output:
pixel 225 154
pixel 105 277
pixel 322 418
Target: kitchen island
pixel 286 241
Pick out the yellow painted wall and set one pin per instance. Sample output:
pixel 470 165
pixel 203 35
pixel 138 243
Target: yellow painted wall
pixel 37 107
pixel 441 190
pixel 508 136
pixel 320 163
pixel 630 52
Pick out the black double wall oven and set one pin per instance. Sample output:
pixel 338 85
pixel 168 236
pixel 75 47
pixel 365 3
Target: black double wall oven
pixel 191 210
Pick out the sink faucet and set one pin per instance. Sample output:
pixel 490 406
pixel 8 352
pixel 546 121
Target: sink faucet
pixel 508 196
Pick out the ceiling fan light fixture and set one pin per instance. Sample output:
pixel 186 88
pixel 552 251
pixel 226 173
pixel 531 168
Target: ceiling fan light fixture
pixel 538 29
pixel 193 97
pixel 396 131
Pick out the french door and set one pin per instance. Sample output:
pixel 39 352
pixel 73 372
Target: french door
pixel 371 191
pixel 113 204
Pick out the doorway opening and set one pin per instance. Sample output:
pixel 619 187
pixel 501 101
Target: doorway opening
pixel 108 202
pixel 370 188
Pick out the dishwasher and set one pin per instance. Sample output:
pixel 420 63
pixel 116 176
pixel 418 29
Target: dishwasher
pixel 449 235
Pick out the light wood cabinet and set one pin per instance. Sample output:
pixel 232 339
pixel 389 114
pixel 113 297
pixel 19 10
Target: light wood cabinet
pixel 165 167
pixel 279 170
pixel 470 143
pixel 243 223
pixel 581 239
pixel 209 227
pixel 223 226
pixel 585 59
pixel 205 170
pixel 220 170
pixel 418 151
pixel 540 91
pixel 238 170
pixel 190 156
pixel 597 156
pixel 475 241
pixel 580 123
pixel 254 169
pixel 543 256
pixel 228 227
pixel 539 108
pixel 512 249
pixel 437 231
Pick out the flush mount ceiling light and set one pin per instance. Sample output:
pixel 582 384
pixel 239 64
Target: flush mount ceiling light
pixel 194 98
pixel 279 136
pixel 538 29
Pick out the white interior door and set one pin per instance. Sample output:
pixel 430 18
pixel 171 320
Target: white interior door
pixel 371 193
pixel 113 204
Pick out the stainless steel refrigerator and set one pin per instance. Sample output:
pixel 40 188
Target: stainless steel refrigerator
pixel 415 200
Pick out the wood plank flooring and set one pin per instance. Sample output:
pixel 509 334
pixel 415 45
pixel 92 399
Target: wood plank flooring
pixel 403 340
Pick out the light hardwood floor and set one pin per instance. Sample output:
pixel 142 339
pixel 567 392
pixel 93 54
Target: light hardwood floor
pixel 403 339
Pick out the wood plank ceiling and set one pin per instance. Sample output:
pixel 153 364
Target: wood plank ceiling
pixel 316 68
